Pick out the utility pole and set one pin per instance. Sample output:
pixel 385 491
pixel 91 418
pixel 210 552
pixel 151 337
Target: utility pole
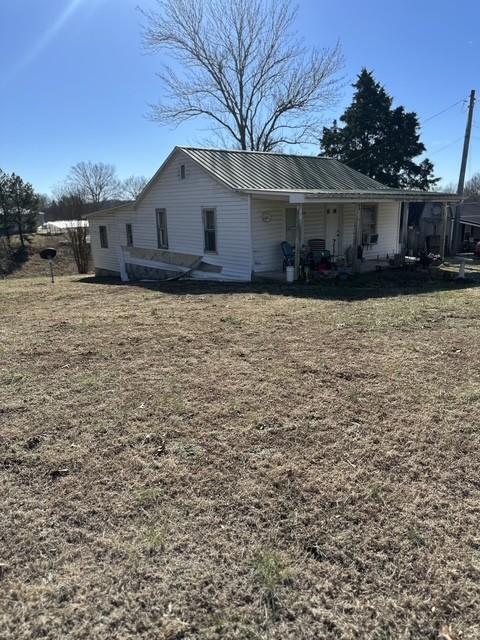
pixel 463 169
pixel 466 144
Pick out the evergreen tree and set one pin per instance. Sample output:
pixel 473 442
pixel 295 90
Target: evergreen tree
pixel 378 140
pixel 24 202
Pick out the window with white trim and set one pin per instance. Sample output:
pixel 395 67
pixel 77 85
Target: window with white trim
pixel 369 224
pixel 102 230
pixel 209 217
pixel 162 233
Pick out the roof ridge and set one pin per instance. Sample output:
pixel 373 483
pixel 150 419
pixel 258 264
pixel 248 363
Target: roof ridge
pixel 269 153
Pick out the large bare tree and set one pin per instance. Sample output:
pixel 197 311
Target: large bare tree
pixel 240 65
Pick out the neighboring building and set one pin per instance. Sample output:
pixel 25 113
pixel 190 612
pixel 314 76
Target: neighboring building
pixel 470 221
pixel 426 231
pixel 56 227
pixel 222 214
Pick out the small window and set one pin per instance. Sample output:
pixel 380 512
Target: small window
pixel 103 236
pixel 129 234
pixel 210 230
pixel 162 235
pixel 369 225
pixel 183 172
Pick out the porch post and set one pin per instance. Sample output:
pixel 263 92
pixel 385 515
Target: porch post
pixel 298 239
pixel 357 238
pixel 340 231
pixel 443 237
pixel 298 199
pixel 405 229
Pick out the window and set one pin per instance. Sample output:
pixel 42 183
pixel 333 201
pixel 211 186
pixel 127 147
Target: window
pixel 162 235
pixel 369 224
pixel 103 236
pixel 183 172
pixel 210 230
pixel 129 234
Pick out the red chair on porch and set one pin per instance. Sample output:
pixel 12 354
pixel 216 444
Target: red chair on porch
pixel 320 257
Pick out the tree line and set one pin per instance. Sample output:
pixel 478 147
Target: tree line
pixel 90 186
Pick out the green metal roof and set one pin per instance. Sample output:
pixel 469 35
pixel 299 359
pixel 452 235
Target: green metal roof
pixel 316 176
pixel 256 170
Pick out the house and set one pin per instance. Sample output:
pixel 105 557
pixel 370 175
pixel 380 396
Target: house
pixel 222 214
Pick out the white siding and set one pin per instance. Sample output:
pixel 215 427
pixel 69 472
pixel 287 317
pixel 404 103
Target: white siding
pixel 184 201
pixel 387 228
pixel 268 231
pixel 349 213
pixel 106 258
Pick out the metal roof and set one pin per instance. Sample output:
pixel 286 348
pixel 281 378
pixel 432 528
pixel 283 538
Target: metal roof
pixel 256 170
pixel 470 213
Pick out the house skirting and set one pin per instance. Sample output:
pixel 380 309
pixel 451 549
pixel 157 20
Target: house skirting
pixel 106 273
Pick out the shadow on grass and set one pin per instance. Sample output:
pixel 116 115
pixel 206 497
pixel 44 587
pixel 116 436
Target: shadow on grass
pixel 383 284
pixel 12 260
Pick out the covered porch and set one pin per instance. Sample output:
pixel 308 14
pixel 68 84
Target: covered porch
pixel 358 234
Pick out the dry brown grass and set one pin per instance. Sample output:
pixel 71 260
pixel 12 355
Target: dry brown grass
pixel 208 462
pixel 34 265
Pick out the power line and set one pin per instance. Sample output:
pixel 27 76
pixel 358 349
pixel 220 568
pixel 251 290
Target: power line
pixel 446 146
pixel 380 143
pixel 443 111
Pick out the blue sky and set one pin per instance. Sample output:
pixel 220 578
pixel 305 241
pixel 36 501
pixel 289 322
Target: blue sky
pixel 75 83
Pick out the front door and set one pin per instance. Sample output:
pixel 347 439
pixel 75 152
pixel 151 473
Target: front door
pixel 332 230
pixel 291 225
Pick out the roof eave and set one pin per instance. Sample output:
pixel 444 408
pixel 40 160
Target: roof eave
pixel 315 195
pixel 110 210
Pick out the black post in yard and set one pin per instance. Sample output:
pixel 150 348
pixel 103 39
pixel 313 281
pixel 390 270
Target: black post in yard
pixel 49 254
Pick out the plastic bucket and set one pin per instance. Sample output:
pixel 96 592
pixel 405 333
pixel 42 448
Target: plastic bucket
pixel 290 273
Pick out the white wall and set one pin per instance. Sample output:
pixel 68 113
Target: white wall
pixel 106 258
pixel 268 231
pixel 183 201
pixel 267 235
pixel 388 221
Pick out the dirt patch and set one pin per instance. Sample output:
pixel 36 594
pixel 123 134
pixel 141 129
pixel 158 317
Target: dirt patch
pixel 211 462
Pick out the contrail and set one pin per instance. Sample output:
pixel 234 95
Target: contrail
pixel 42 42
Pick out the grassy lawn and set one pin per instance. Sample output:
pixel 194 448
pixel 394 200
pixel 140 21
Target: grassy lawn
pixel 208 462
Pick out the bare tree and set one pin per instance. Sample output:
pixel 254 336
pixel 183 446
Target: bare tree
pixel 68 204
pixel 472 188
pixel 78 239
pixel 242 68
pixel 133 186
pixel 94 181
